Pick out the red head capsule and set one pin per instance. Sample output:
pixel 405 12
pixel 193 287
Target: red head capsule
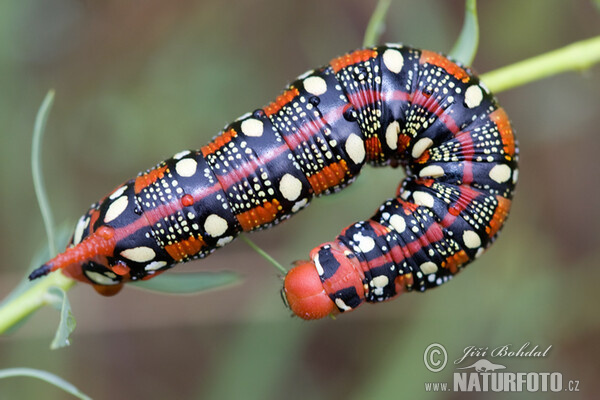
pixel 333 273
pixel 305 294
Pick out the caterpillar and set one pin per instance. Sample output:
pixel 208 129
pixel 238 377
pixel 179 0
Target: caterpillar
pixel 387 105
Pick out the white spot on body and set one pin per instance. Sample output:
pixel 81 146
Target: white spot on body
pixel 500 173
pixel 432 170
pixel 398 223
pixel 117 192
pixel 391 135
pixel 479 252
pixel 215 225
pixel 315 85
pixel 341 305
pixel 365 243
pixel 223 241
pixel 515 176
pixel 154 265
pixel 81 225
pixel 473 96
pixel 252 127
pixel 243 116
pixel 139 254
pixel 355 147
pixel 100 279
pixel 428 267
pixel 318 265
pixel 380 281
pixel 420 147
pixel 299 205
pixel 393 60
pixel 116 208
pixel 423 199
pixel 186 167
pixel 471 239
pixel 307 73
pixel 181 154
pixel 290 187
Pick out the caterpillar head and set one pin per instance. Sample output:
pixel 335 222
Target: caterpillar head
pixel 331 282
pixel 304 294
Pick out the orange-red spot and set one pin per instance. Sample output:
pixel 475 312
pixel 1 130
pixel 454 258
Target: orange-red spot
pixel 330 176
pixel 403 142
pixel 185 248
pixel 149 178
pixel 355 57
pixel 426 182
pixel 442 62
pixel 187 200
pixel 373 149
pixel 453 262
pixel 259 215
pixel 281 100
pixel 424 157
pixel 218 142
pixel 506 134
pixel 407 207
pixel 499 216
pixel 402 282
pixel 120 269
pixel 406 281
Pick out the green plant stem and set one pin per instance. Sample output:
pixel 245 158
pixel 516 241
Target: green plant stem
pixel 32 299
pixel 264 254
pixel 574 57
pixel 375 25
pixel 577 56
pixel 36 169
pixel 465 48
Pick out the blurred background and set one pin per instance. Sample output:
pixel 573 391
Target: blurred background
pixel 138 81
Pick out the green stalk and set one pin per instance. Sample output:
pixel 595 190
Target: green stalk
pixel 32 299
pixel 465 48
pixel 574 57
pixel 264 254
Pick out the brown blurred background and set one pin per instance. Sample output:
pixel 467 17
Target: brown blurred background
pixel 138 81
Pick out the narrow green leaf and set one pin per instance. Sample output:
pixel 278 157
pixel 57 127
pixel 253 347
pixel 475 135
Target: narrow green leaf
pixel 45 376
pixel 376 24
pixel 36 169
pixel 265 255
pixel 188 283
pixel 465 48
pixel 59 300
